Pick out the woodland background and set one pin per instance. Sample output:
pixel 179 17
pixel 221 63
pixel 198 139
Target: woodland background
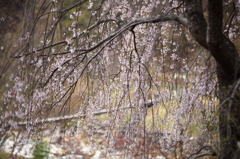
pixel 66 80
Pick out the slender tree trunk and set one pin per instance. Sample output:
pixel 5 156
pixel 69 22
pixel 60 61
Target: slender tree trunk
pixel 209 35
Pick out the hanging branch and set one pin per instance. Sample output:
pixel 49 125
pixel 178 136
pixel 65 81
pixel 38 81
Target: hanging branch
pixel 213 153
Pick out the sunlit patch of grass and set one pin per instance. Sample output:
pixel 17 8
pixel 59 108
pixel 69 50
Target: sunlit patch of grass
pixel 157 117
pixel 157 114
pixel 4 155
pixel 102 116
pixel 41 150
pixel 193 130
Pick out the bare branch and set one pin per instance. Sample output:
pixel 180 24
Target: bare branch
pixel 202 155
pixel 214 149
pixel 162 18
pixel 77 116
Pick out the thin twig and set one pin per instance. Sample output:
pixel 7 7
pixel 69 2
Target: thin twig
pixel 214 149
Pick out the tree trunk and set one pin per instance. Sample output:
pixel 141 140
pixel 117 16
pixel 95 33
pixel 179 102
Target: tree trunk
pixel 209 35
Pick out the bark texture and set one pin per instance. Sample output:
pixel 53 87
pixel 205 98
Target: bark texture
pixel 208 33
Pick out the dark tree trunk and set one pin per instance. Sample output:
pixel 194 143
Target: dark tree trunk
pixel 209 35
